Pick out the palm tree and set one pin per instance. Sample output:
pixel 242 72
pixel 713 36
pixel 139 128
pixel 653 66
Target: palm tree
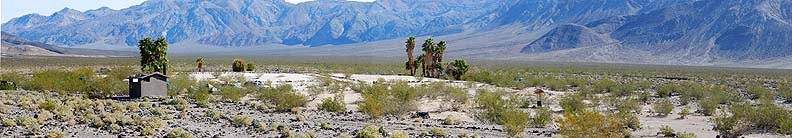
pixel 419 61
pixel 428 48
pixel 410 61
pixel 438 51
pixel 200 62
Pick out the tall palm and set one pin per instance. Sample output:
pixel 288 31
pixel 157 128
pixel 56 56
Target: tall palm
pixel 438 51
pixel 428 48
pixel 410 49
pixel 200 62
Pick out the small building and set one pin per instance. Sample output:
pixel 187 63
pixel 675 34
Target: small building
pixel 148 85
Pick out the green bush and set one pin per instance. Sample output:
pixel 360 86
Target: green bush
pixel 49 104
pixel 708 106
pixel 451 120
pixel 232 93
pixel 685 135
pixel 283 97
pixel 572 103
pixel 241 121
pixel 542 117
pixel 759 92
pixel 555 84
pixel 179 133
pixel 9 123
pixel 785 126
pixel 514 121
pixel 179 84
pixel 368 132
pixel 604 85
pixel 785 92
pixel 147 131
pixel 25 120
pixel 437 132
pixel 493 104
pixel 55 134
pixel 378 100
pixel 666 90
pixel 667 131
pixel 626 119
pixel 334 104
pixel 211 113
pixel 662 107
pixel 684 112
pixel 590 124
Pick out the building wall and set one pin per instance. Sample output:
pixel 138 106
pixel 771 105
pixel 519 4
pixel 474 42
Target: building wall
pixel 154 87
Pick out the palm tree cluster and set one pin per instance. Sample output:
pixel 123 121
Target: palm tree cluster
pixel 431 61
pixel 153 55
pixel 239 65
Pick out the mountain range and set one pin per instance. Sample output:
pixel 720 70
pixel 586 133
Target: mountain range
pixel 689 32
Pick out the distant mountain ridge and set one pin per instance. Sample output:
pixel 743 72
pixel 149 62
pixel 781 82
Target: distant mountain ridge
pixel 690 32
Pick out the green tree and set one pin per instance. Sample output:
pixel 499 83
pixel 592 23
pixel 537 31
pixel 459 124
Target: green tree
pixel 437 58
pixel 239 65
pixel 410 60
pixel 153 55
pixel 428 48
pixel 457 68
pixel 200 62
pixel 251 67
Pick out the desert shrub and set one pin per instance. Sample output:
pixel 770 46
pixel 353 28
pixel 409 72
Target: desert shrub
pixel 451 120
pixel 232 93
pixel 8 122
pixel 628 105
pixel 604 85
pixel 334 104
pixel 152 122
pixel 708 106
pixel 211 113
pixel 784 91
pixel 159 111
pixel 685 135
pixel 179 133
pixel 572 103
pixel 326 126
pixel 250 67
pixel 25 120
pixel 456 96
pixel 667 131
pixel 378 100
pixel 589 124
pixel 662 107
pixel 437 132
pixel 514 121
pixel 199 91
pixel 399 135
pixel 368 132
pixel 179 83
pixel 55 134
pixel 627 120
pixel 759 92
pixel 785 126
pixel 684 112
pixel 16 77
pixel 49 104
pixel 44 116
pixel 147 131
pixel 555 84
pixel 728 126
pixel 493 104
pixel 666 90
pixel 283 97
pixel 542 117
pixel 241 121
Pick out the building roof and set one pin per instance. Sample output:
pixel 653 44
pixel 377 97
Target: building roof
pixel 146 75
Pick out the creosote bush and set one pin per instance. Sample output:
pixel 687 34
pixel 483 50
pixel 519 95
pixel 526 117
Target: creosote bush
pixel 378 100
pixel 590 124
pixel 662 107
pixel 333 104
pixel 179 133
pixel 370 131
pixel 283 97
pixel 241 121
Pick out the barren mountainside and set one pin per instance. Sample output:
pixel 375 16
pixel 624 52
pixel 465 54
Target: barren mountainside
pixel 683 31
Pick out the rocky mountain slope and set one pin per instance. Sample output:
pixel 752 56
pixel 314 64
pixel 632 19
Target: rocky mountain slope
pixel 706 30
pixel 13 45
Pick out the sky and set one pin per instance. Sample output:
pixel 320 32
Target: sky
pixel 15 8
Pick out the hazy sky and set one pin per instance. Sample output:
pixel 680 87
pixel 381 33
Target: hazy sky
pixel 16 8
